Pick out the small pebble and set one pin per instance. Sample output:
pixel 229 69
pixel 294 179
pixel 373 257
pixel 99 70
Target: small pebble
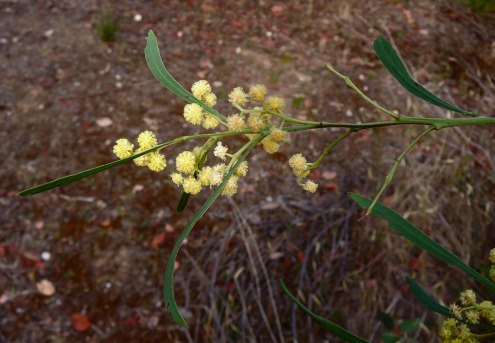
pixel 46 256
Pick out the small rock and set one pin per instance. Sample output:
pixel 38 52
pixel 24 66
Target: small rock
pixel 48 33
pixel 45 287
pixel 104 122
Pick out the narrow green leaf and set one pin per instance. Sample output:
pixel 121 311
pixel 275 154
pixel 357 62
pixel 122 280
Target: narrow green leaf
pixel 419 238
pixel 391 60
pixel 155 63
pixel 387 321
pixel 410 325
pixel 184 198
pixel 83 174
pixel 388 336
pixel 168 286
pixel 428 301
pixel 433 305
pixel 328 325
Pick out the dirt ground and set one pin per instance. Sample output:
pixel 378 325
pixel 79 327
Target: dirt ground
pixel 103 242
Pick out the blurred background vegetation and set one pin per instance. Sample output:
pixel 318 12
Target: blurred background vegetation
pixel 75 80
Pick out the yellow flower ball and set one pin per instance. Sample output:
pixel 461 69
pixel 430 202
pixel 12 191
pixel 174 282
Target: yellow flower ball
pixel 217 174
pixel 298 162
pixel 185 162
pixel 277 135
pixel 141 161
pixel 238 96
pixel 156 162
pixel 270 146
pixel 310 186
pixel 200 88
pixel 210 122
pixel 197 151
pixel 220 151
pixel 242 170
pixel 492 256
pixel 236 123
pixel 210 99
pixel 204 175
pixel 274 103
pixel 177 178
pixel 146 140
pixel 255 122
pixel 231 187
pixel 193 113
pixel 257 92
pixel 191 185
pixel 123 148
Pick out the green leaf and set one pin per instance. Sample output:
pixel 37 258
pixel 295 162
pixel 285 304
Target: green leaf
pixel 184 198
pixel 410 325
pixel 328 325
pixel 391 60
pixel 388 336
pixel 387 321
pixel 168 286
pixel 428 301
pixel 81 175
pixel 419 238
pixel 155 63
pixel 433 305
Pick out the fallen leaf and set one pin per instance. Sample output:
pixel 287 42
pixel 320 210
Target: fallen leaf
pixel 39 224
pixel 137 188
pixel 169 228
pixel 329 175
pixel 80 322
pixel 105 223
pixel 45 287
pixel 300 256
pixel 330 186
pixel 415 263
pixel 105 70
pixel 277 10
pixel 276 255
pixel 104 122
pixel 157 240
pixel 206 64
pixel 4 298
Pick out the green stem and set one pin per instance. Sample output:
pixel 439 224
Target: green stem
pixel 351 84
pixel 437 123
pixel 390 175
pixel 325 151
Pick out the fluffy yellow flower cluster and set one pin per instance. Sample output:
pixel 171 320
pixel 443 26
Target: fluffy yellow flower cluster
pixel 194 113
pixel 300 167
pixel 454 332
pixel 259 117
pixel 192 176
pixel 470 310
pixel 492 267
pixel 193 179
pixel 146 140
